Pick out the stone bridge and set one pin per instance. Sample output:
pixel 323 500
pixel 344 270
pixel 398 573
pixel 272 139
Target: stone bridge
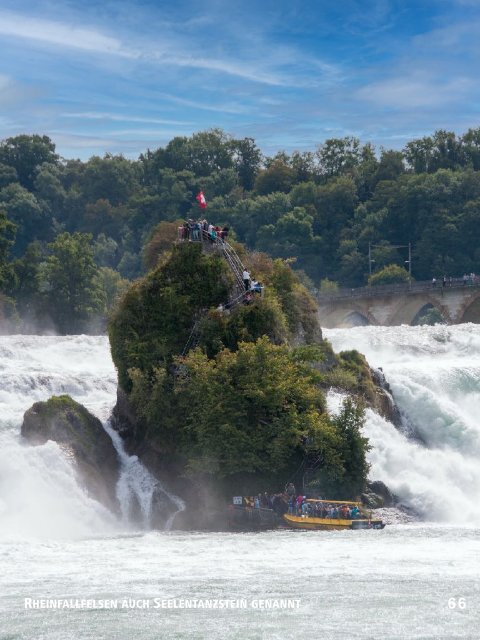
pixel 392 305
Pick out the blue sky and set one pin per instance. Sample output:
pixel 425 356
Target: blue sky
pixel 122 77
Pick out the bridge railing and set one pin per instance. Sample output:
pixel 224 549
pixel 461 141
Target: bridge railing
pixel 403 288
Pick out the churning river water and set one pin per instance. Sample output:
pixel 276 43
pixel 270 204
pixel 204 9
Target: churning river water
pixel 107 580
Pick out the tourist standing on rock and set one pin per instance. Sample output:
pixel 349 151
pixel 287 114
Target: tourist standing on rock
pixel 246 279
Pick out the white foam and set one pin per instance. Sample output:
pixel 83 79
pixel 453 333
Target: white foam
pixel 434 373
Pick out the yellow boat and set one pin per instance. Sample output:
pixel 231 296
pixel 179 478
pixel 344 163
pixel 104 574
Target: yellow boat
pixel 313 522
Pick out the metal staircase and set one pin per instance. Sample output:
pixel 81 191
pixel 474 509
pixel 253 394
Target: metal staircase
pixel 231 256
pixel 238 292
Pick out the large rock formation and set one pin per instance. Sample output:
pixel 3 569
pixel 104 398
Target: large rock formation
pixel 80 435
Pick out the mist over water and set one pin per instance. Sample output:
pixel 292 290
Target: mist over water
pixel 40 496
pixel 56 542
pixel 434 374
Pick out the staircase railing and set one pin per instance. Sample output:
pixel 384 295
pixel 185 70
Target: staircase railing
pixel 236 267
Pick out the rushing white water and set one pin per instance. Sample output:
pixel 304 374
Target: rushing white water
pixel 35 481
pixel 434 374
pixel 57 543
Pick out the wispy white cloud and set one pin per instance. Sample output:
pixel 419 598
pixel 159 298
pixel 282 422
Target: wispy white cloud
pixel 172 50
pixel 194 104
pixel 116 117
pixel 12 93
pixel 61 34
pixel 412 92
pixel 245 71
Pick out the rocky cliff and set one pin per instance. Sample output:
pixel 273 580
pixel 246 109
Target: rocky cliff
pixel 82 437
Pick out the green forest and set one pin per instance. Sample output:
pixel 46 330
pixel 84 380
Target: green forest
pixel 73 234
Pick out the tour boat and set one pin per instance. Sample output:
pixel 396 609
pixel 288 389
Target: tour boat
pixel 313 522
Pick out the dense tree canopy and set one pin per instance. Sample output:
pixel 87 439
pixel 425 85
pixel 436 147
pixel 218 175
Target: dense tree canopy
pixel 320 208
pixel 73 292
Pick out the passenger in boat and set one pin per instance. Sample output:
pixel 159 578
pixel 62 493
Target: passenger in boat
pixel 265 501
pixel 355 513
pixel 290 489
pixel 279 505
pixel 299 503
pixel 291 505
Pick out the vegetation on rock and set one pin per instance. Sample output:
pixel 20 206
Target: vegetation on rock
pixel 245 407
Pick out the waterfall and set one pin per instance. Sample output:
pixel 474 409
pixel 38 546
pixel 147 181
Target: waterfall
pixel 137 486
pixel 39 492
pixel 434 373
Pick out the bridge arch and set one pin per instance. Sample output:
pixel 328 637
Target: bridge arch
pixel 411 309
pixel 355 319
pixel 431 313
pixel 471 311
pixel 345 315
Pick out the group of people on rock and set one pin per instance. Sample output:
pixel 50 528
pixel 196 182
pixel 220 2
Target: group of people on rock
pixel 194 230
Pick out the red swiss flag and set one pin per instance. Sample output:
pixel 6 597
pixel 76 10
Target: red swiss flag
pixel 201 200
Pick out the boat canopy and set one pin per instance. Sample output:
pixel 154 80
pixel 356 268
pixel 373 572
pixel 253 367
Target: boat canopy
pixel 333 501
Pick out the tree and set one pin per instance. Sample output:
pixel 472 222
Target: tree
pixel 49 188
pixel 390 166
pixel 112 178
pixel 471 148
pixel 278 177
pixel 7 238
pixel 105 251
pixel 162 239
pixel 247 159
pixel 418 154
pixel 249 412
pixel 339 156
pixel 350 422
pixel 7 175
pixel 113 285
pixel 25 212
pixel 75 295
pixel 203 153
pixel 328 286
pixel 155 317
pixel 28 282
pixel 391 274
pixel 25 153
